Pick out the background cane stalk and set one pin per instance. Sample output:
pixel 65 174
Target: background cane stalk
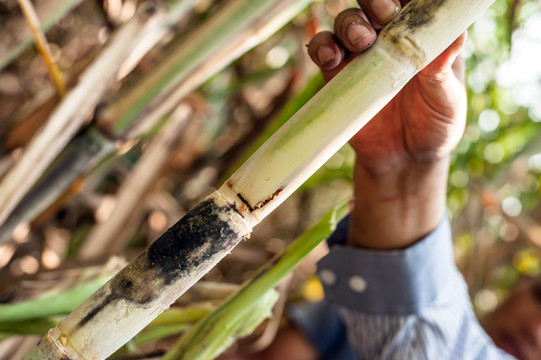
pixel 49 11
pixel 232 31
pixel 72 112
pixel 148 285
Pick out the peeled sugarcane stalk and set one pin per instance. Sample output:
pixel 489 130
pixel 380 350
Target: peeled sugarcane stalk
pixel 190 248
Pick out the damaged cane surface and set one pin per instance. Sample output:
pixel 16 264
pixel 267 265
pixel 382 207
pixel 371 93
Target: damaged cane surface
pixel 149 284
pixel 192 241
pixel 418 14
pixel 260 204
pixel 415 16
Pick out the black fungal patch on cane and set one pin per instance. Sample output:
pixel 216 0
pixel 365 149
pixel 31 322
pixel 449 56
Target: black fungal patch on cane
pixel 191 242
pixel 416 15
pixel 94 311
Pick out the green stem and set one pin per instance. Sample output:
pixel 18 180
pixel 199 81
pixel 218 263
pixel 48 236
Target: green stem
pixel 62 303
pixel 182 315
pixel 50 15
pixel 29 327
pixel 201 45
pixel 210 331
pixel 160 332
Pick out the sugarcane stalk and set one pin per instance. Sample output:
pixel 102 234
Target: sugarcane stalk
pixel 238 27
pixel 127 303
pixel 57 304
pixel 85 151
pixel 208 336
pixel 205 235
pixel 410 42
pixel 186 58
pixel 177 9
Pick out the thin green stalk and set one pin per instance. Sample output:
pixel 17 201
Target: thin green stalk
pixel 203 43
pixel 62 303
pixel 207 336
pixel 29 327
pixel 160 332
pixel 235 17
pixel 174 321
pixel 17 41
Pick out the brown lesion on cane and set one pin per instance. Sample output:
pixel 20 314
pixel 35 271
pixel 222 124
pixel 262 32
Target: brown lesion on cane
pixel 261 204
pixel 400 31
pixel 245 202
pixel 417 14
pixel 237 209
pixel 246 206
pixel 404 39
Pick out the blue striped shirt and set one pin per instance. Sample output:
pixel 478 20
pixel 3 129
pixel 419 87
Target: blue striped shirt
pixel 403 304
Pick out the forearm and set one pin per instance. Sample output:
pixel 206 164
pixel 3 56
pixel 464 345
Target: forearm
pixel 396 208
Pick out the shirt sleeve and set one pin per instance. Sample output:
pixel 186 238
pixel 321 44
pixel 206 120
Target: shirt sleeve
pixel 403 304
pixel 323 327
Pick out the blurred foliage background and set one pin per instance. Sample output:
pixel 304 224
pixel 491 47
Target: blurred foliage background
pixel 494 182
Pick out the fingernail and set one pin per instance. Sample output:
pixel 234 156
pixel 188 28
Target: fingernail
pixel 325 54
pixel 356 32
pixel 384 10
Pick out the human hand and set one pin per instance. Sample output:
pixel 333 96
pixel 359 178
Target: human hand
pixel 403 153
pixel 425 121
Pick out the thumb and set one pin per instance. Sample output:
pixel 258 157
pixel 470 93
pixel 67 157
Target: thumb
pixel 448 60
